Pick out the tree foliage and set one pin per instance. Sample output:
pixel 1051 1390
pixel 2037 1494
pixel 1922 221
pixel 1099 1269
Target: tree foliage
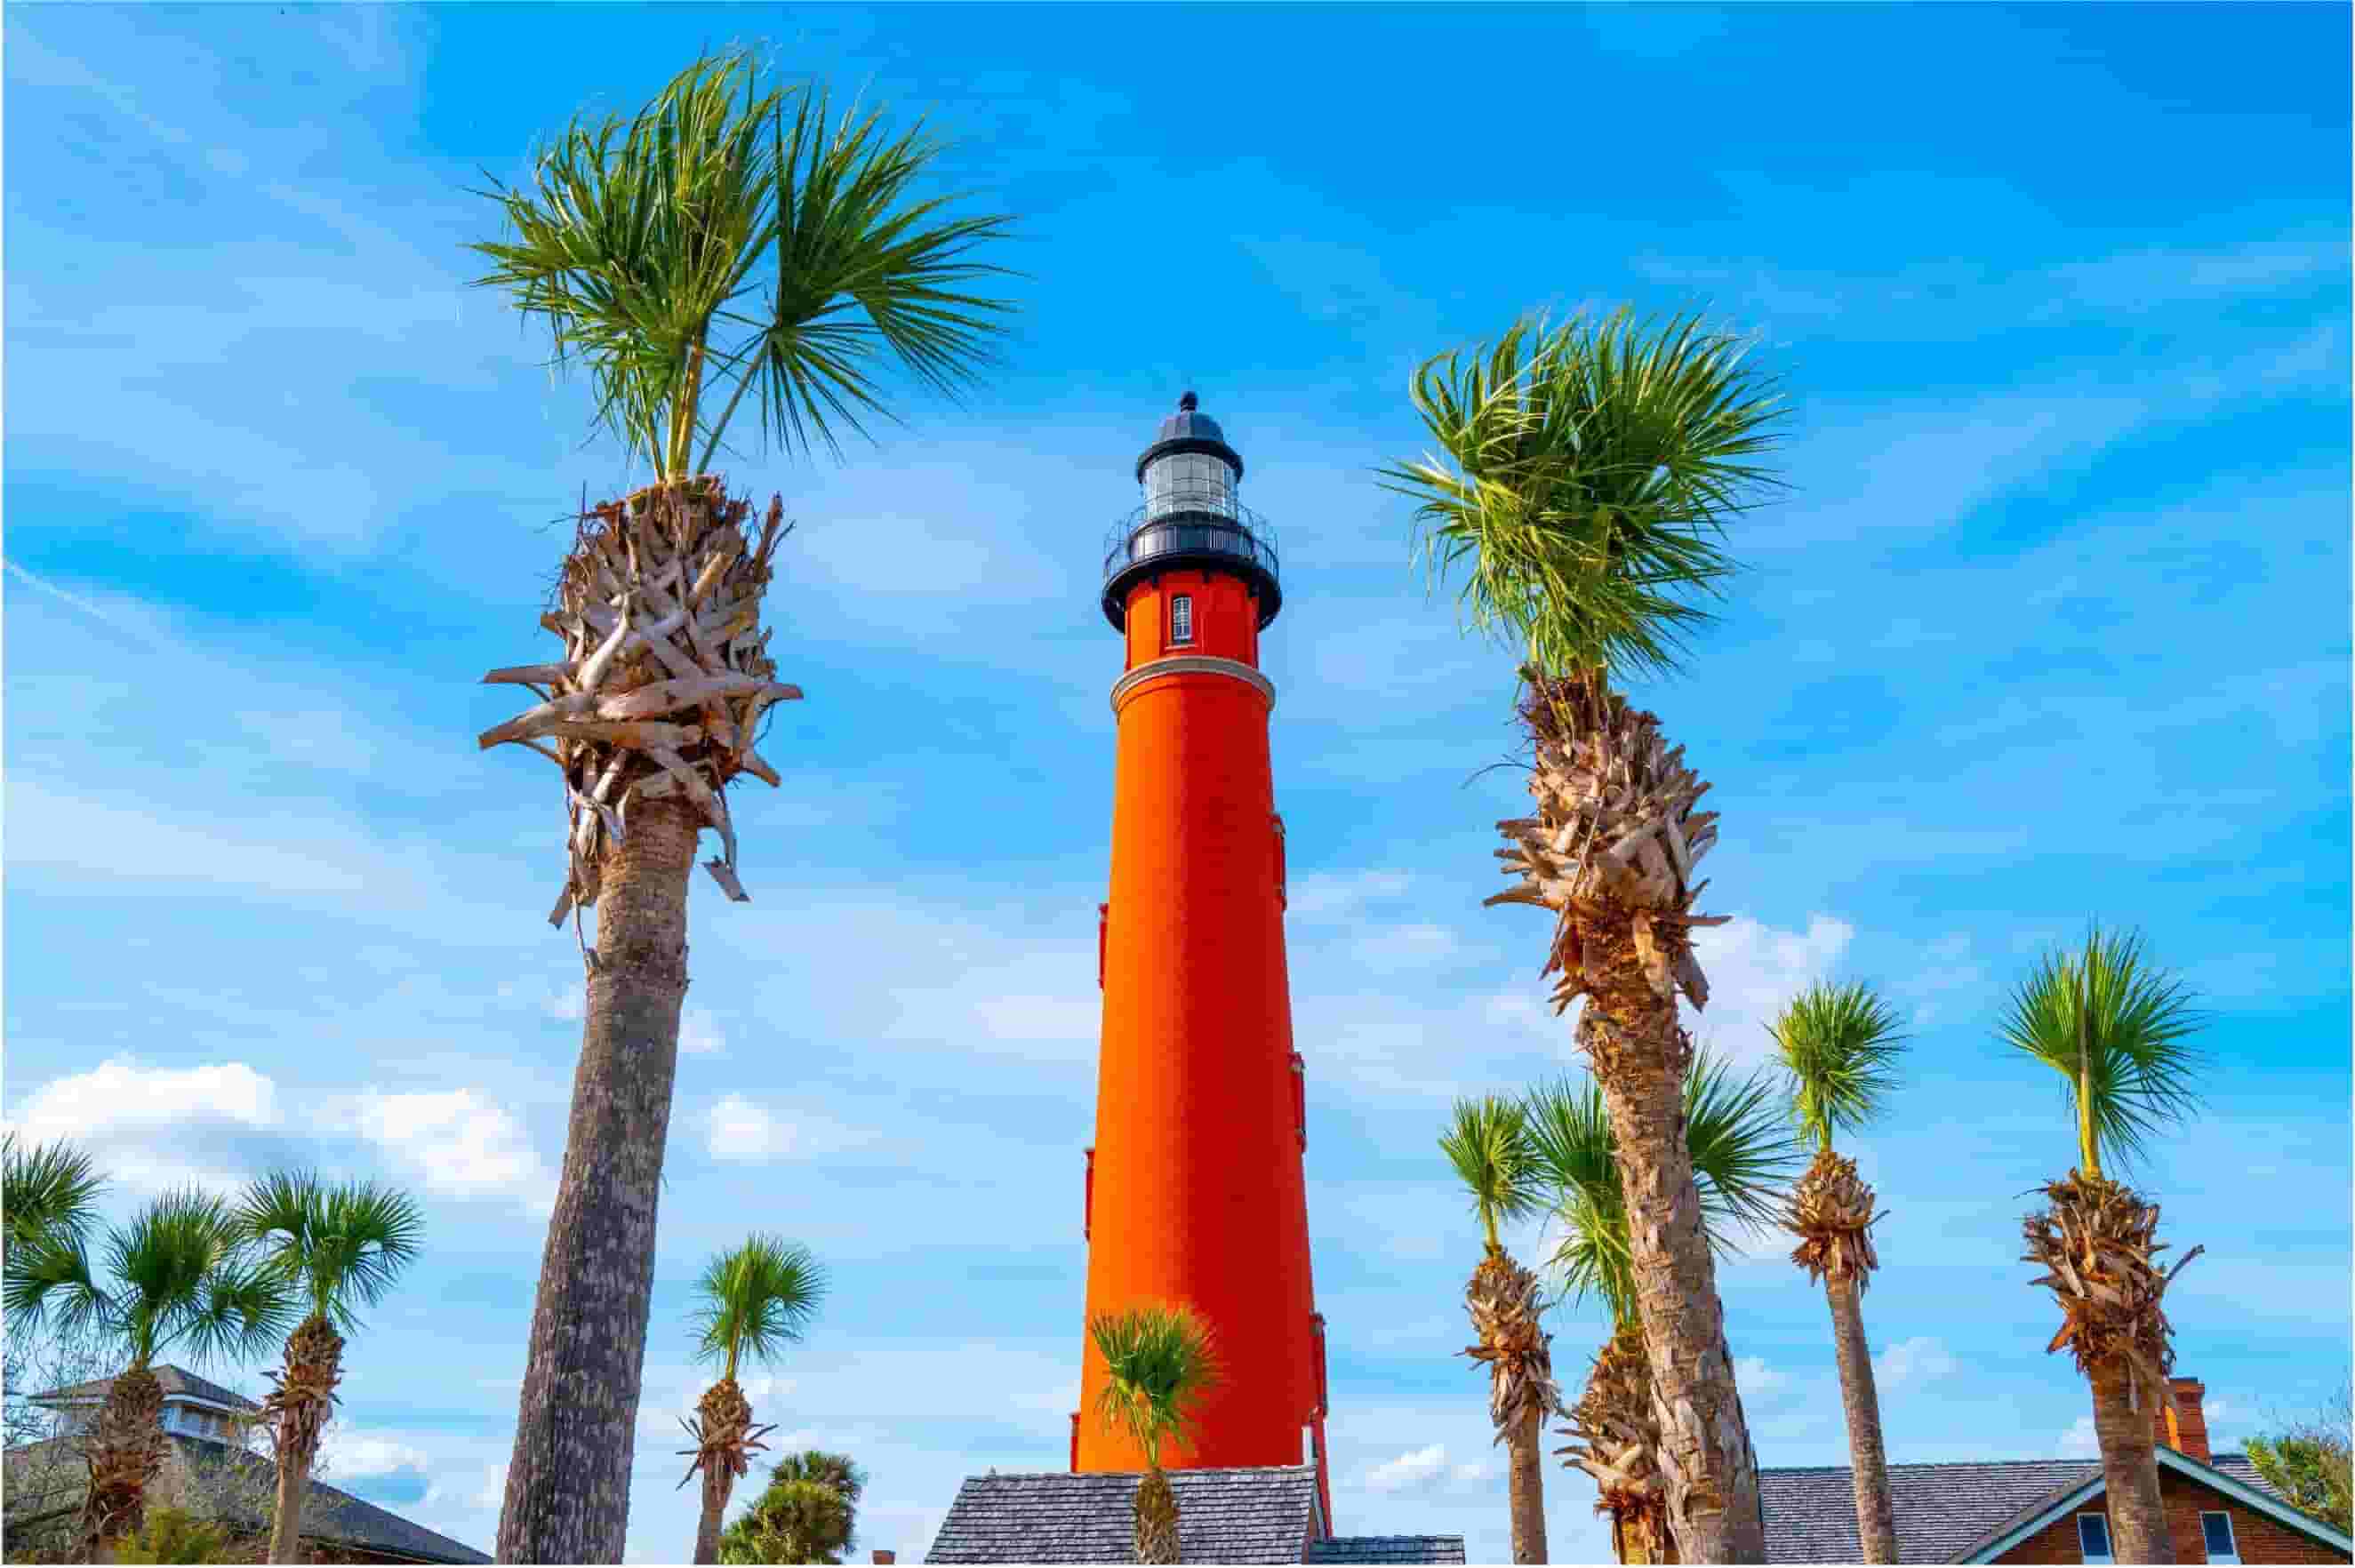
pixel 756 1300
pixel 1488 1144
pixel 338 1246
pixel 807 1513
pixel 1838 1047
pixel 1158 1361
pixel 2309 1462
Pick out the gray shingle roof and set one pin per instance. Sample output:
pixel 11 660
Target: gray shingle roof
pixel 1942 1510
pixel 1256 1515
pixel 1387 1549
pixel 176 1381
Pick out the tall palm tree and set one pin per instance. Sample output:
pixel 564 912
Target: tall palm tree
pixel 807 1513
pixel 753 1301
pixel 337 1248
pixel 1158 1361
pixel 2119 1032
pixel 1839 1046
pixel 1741 1151
pixel 1488 1143
pixel 1584 475
pixel 723 239
pixel 177 1277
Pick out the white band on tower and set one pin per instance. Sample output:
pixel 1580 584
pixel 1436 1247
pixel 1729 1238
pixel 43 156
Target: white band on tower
pixel 1191 663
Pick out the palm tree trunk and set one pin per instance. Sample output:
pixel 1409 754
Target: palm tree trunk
pixel 2129 1468
pixel 716 1484
pixel 568 1491
pixel 1704 1458
pixel 1525 1487
pixel 1876 1520
pixel 126 1451
pixel 300 1406
pixel 1156 1519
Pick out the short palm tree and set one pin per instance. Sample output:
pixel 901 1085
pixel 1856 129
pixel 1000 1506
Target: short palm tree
pixel 2119 1032
pixel 1487 1144
pixel 1583 478
pixel 753 1302
pixel 49 1192
pixel 725 240
pixel 807 1513
pixel 1838 1047
pixel 1158 1360
pixel 337 1248
pixel 1741 1152
pixel 177 1277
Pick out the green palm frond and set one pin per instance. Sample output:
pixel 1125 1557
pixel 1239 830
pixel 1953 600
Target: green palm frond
pixel 49 1190
pixel 1742 1152
pixel 1838 1047
pixel 2119 1032
pixel 341 1246
pixel 1487 1142
pixel 244 1308
pixel 756 1300
pixel 646 245
pixel 1158 1361
pixel 50 1284
pixel 1583 476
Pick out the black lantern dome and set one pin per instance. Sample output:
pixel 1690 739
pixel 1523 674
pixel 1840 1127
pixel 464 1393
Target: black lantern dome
pixel 1190 517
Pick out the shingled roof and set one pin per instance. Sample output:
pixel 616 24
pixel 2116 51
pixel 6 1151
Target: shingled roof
pixel 178 1382
pixel 1942 1511
pixel 1254 1515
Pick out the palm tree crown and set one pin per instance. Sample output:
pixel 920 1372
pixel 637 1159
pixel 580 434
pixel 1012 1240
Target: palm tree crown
pixel 50 1192
pixel 715 237
pixel 1838 1047
pixel 181 1277
pixel 1487 1142
pixel 759 1298
pixel 340 1246
pixel 2119 1032
pixel 1158 1360
pixel 1740 1151
pixel 1580 485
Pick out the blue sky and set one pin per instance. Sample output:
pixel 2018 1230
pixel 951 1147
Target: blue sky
pixel 2053 624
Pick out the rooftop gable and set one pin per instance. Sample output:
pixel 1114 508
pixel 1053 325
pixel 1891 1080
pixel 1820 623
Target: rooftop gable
pixel 2247 1489
pixel 1260 1514
pixel 178 1383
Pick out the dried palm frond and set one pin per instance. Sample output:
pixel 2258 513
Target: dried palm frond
pixel 1156 1519
pixel 2098 1248
pixel 1613 847
pixel 1618 1425
pixel 1504 1302
pixel 666 671
pixel 303 1394
pixel 725 1437
pixel 123 1454
pixel 1830 1211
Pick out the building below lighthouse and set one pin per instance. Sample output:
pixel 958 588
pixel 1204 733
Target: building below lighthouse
pixel 1195 1187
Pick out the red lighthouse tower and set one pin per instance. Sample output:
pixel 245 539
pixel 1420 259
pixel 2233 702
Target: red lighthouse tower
pixel 1195 1188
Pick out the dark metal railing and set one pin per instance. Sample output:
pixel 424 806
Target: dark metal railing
pixel 1190 522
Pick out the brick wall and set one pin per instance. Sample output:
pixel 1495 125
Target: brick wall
pixel 2260 1539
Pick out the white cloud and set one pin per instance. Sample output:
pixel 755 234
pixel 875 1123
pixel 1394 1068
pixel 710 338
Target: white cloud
pixel 355 1453
pixel 699 1033
pixel 1911 1362
pixel 1753 969
pixel 456 1141
pixel 1413 1471
pixel 741 1129
pixel 1757 1380
pixel 143 1124
pixel 2079 1442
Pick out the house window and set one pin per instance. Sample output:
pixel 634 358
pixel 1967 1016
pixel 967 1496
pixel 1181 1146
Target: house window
pixel 2094 1537
pixel 2216 1531
pixel 1181 618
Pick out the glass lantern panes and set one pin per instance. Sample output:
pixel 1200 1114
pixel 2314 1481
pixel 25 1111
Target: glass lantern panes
pixel 1189 482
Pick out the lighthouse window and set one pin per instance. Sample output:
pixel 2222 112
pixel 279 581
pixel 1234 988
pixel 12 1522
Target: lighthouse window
pixel 1181 618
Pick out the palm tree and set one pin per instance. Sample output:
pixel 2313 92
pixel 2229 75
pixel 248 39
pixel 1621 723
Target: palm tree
pixel 2119 1032
pixel 1740 1152
pixel 1488 1143
pixel 807 1513
pixel 336 1248
pixel 724 234
pixel 179 1277
pixel 1840 1046
pixel 1157 1361
pixel 755 1300
pixel 49 1192
pixel 1581 491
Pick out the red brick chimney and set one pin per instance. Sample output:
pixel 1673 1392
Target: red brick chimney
pixel 883 1556
pixel 2184 1428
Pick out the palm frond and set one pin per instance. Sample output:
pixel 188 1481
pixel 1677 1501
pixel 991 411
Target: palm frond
pixel 2118 1030
pixel 1839 1046
pixel 1583 476
pixel 341 1246
pixel 48 1191
pixel 1159 1359
pixel 1487 1142
pixel 49 1283
pixel 644 242
pixel 755 1300
pixel 1742 1150
pixel 242 1309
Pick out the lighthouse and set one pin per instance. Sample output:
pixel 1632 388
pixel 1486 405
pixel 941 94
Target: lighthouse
pixel 1195 1188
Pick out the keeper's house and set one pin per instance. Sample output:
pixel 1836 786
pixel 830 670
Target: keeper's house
pixel 2219 1509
